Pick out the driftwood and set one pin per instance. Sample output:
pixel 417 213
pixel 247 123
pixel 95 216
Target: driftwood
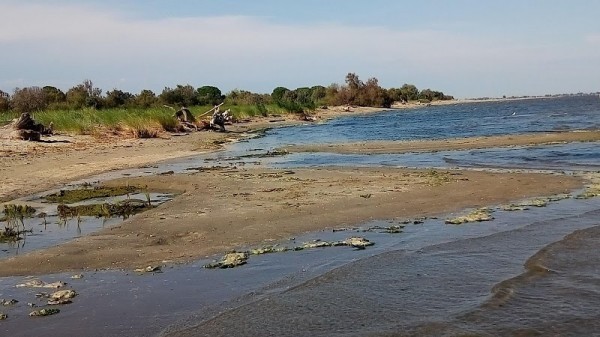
pixel 187 121
pixel 30 135
pixel 27 129
pixel 184 115
pixel 209 111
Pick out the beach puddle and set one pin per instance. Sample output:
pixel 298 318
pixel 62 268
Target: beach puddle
pixel 59 216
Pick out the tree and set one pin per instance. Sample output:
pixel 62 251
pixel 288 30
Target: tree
pixel 117 98
pixel 28 99
pixel 209 95
pixel 354 87
pixel 4 101
pixel 145 99
pixel 243 97
pixel 319 93
pixel 426 95
pixel 304 97
pixel 76 97
pixel 53 95
pixel 278 93
pixel 409 92
pixel 395 94
pixel 354 84
pixel 84 95
pixel 371 94
pixel 332 94
pixel 181 95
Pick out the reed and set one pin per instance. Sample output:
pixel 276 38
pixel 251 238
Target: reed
pixel 15 215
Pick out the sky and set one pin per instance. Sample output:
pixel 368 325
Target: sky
pixel 465 48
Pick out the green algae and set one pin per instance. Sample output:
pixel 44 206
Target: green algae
pixel 44 312
pixel 234 259
pixel 435 178
pixel 590 192
pixel 123 209
pixel 81 194
pixel 230 260
pixel 478 215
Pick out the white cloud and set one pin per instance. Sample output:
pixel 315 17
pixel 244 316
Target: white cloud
pixel 77 42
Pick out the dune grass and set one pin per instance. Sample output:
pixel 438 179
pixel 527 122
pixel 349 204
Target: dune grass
pixel 89 121
pixel 138 122
pixel 142 123
pixel 7 117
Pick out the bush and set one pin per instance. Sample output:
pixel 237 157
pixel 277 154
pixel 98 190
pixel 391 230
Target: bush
pixel 28 99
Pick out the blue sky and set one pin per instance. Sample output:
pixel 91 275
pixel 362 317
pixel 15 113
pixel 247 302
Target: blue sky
pixel 465 48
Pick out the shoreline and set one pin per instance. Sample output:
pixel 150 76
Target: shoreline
pixel 224 209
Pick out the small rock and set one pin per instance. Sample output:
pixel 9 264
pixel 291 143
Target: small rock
pixel 77 276
pixel 3 316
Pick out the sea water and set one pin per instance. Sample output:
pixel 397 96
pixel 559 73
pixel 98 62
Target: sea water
pixel 531 273
pixel 535 272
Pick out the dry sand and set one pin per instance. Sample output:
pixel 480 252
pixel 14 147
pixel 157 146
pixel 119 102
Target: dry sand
pixel 223 209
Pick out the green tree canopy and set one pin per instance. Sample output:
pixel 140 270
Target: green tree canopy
pixel 209 95
pixel 409 92
pixel 181 95
pixel 278 93
pixel 53 95
pixel 117 98
pixel 146 98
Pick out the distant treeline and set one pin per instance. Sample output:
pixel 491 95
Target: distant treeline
pixel 354 92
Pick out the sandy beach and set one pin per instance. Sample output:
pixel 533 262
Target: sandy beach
pixel 227 208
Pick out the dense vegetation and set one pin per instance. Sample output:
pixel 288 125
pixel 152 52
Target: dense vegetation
pixel 83 107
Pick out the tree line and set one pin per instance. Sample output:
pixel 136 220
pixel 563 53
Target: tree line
pixel 353 92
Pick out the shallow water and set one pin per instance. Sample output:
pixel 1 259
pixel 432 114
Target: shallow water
pixel 431 273
pixel 441 122
pixel 524 273
pixel 440 281
pixel 52 230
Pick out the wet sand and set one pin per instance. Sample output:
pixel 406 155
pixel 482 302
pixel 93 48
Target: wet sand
pixel 224 209
pixel 384 147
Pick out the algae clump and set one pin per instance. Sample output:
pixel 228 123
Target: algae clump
pixel 478 215
pixel 77 195
pixel 230 260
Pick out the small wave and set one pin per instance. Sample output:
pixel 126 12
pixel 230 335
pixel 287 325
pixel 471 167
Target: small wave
pixel 542 264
